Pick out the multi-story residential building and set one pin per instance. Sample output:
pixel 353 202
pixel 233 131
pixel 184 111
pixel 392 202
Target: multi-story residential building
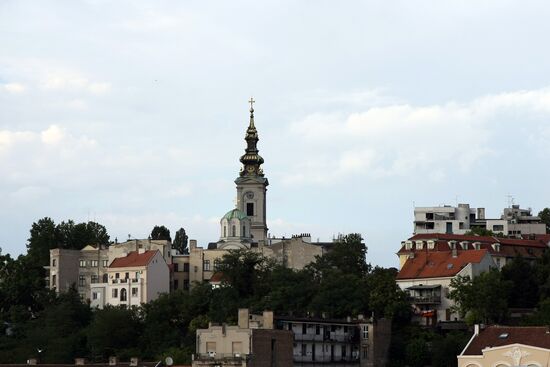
pixel 428 262
pixel 426 277
pixel 79 268
pixel 514 221
pixel 502 250
pixel 252 342
pixel 334 342
pixel 506 346
pixel 139 277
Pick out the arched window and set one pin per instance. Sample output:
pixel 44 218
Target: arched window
pixel 234 231
pixel 244 231
pixel 224 231
pixel 123 295
pixel 105 278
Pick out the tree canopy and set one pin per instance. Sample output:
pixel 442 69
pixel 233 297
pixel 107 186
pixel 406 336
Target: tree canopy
pixel 161 233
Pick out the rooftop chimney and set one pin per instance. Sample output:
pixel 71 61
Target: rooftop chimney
pixel 268 320
pixel 243 318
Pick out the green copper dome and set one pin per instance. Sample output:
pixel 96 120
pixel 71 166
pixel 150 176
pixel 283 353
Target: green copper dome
pixel 235 213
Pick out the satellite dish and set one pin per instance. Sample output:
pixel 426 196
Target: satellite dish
pixel 169 361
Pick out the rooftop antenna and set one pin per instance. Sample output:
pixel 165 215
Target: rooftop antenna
pixel 510 200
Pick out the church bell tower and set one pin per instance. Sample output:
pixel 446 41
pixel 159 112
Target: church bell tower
pixel 251 183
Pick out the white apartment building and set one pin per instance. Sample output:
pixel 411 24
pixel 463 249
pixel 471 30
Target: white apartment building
pixel 514 221
pixel 139 277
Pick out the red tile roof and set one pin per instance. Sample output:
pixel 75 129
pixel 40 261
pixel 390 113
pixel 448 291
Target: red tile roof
pixel 217 277
pixel 536 336
pixel 438 264
pixel 134 259
pixel 510 247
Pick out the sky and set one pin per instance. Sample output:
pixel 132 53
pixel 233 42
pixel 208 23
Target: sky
pixel 133 113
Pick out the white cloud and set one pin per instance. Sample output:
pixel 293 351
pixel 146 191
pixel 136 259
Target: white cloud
pixel 14 88
pixel 403 139
pixel 52 135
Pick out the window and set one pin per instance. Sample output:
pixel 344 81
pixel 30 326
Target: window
pixel 176 267
pixel 115 293
pixel 95 279
pixel 94 263
pixel 54 262
pixel 365 331
pixel 216 264
pixel 82 263
pixel 250 209
pixel 123 294
pixel 244 231
pixel 81 280
pixel 304 328
pixel 343 351
pixel 127 275
pixel 234 231
pixel 304 349
pixel 498 228
pixel 431 245
pixel 105 263
pixel 345 329
pixel 94 295
pixel 317 329
pixel 206 265
pixel 186 268
pixel 54 281
pixel 365 352
pixel 176 284
pixel 210 347
pixel 117 275
pixel 105 278
pixel 134 292
pixel 237 347
pixel 186 284
pixel 224 231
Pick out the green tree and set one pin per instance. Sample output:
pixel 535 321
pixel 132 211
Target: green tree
pixel 483 299
pixel 480 231
pixel 445 349
pixel 544 216
pixel 349 254
pixel 161 233
pixel 524 283
pixel 44 237
pixel 78 236
pixel 180 241
pixel 386 299
pixel 114 331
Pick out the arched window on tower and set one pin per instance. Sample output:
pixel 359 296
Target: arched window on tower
pixel 224 231
pixel 123 294
pixel 234 231
pixel 244 231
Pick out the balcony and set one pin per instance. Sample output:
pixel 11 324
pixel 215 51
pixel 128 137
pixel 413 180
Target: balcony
pixel 426 300
pixel 225 359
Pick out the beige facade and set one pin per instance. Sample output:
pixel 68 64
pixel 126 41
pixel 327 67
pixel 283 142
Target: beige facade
pixel 252 342
pixel 507 346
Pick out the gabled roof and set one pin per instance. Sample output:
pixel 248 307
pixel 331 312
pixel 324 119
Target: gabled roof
pixel 439 264
pixel 509 247
pixel 134 259
pixel 496 336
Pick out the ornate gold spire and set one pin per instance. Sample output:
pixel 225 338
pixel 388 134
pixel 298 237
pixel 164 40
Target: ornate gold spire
pixel 251 160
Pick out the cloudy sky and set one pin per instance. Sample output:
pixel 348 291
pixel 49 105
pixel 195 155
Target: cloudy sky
pixel 133 113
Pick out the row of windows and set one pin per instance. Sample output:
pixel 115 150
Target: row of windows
pixel 89 263
pixel 185 284
pixel 332 328
pixel 93 279
pixel 206 265
pixel 124 293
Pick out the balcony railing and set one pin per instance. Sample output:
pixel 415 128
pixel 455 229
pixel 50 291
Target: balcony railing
pixel 220 356
pixel 426 300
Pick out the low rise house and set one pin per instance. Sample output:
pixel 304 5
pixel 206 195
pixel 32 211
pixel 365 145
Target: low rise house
pixel 139 277
pixel 507 346
pixel 362 342
pixel 252 342
pixel 426 277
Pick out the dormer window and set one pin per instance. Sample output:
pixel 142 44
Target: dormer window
pixel 419 245
pixel 496 247
pixel 477 245
pixel 464 245
pixel 408 245
pixel 452 245
pixel 431 244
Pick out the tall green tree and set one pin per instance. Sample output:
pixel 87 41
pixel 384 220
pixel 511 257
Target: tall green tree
pixel 544 215
pixel 161 233
pixel 483 299
pixel 180 241
pixel 524 285
pixel 44 236
pixel 386 299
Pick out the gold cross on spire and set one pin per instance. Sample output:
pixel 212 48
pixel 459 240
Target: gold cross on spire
pixel 252 101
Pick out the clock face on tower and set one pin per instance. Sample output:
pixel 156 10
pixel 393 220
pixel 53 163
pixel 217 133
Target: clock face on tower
pixel 250 169
pixel 249 195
